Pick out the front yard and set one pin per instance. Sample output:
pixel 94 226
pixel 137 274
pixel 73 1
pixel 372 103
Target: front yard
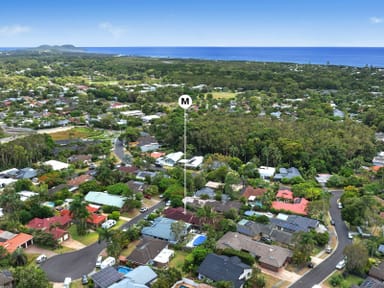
pixel 87 239
pixel 349 281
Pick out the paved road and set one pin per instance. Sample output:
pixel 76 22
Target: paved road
pixel 325 268
pixel 77 263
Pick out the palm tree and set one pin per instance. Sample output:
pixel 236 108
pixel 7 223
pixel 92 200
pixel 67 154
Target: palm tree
pixel 105 234
pixel 80 214
pixel 117 242
pixel 18 258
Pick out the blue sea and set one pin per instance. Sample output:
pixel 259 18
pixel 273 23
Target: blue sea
pixel 348 56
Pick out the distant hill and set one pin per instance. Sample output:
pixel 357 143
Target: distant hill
pixel 58 48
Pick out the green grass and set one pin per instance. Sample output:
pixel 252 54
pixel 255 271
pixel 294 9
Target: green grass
pixel 87 239
pixel 347 282
pixel 78 132
pixel 118 224
pixel 63 250
pixel 178 260
pixel 223 95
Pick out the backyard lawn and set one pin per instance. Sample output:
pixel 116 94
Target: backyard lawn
pixel 347 282
pixel 178 261
pixel 87 239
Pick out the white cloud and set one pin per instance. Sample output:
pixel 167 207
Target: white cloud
pixel 375 20
pixel 13 30
pixel 116 31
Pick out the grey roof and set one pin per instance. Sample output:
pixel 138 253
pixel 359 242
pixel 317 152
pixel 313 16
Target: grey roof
pixel 223 268
pixel 104 198
pixel 287 173
pixel 6 278
pixel 136 186
pixel 161 228
pixel 146 250
pixel 127 283
pixel 26 173
pixel 281 236
pixel 106 277
pixel 205 191
pixel 295 223
pixel 252 229
pixel 269 254
pixel 143 174
pixel 142 275
pixel 381 248
pixel 370 282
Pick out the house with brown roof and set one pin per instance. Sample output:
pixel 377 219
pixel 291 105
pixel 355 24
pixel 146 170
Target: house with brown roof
pixel 178 214
pixel 79 180
pixel 223 207
pixel 84 159
pixel 251 193
pixel 11 241
pixel 268 256
pixel 377 272
pixel 146 251
pixel 53 225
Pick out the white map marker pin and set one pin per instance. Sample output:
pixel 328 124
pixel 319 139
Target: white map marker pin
pixel 185 101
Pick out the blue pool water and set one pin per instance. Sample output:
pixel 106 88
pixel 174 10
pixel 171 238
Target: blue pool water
pixel 199 240
pixel 124 269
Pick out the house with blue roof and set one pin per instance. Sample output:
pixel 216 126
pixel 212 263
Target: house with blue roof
pixel 162 229
pixel 206 191
pixel 140 277
pixel 103 198
pixel 287 173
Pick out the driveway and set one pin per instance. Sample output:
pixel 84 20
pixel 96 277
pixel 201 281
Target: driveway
pixel 325 268
pixel 77 263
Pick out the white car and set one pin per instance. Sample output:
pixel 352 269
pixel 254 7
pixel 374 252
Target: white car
pixel 108 224
pixel 340 265
pixel 350 235
pixel 143 209
pixel 41 258
pixel 98 261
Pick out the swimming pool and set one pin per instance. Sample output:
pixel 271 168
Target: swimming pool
pixel 124 269
pixel 199 240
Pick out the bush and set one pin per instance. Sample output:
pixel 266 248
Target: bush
pixel 115 215
pixel 108 209
pixel 336 280
pixel 244 256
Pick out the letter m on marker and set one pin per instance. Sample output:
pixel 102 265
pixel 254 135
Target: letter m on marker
pixel 184 101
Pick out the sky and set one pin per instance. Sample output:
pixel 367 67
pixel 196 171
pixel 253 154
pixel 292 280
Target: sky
pixel 254 23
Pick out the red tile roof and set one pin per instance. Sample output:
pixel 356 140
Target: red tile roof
pixel 299 207
pixel 250 191
pixel 96 219
pixel 128 169
pixel 12 244
pixel 285 194
pixel 157 154
pixel 57 233
pixel 91 209
pixel 45 223
pixel 376 168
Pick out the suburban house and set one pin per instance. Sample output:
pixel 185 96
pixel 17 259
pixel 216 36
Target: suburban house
pixel 162 229
pixel 193 163
pixel 147 249
pixel 128 169
pixel 250 193
pixel 294 223
pixel 178 214
pixel 370 282
pixel 143 175
pixel 223 268
pixel 377 272
pixel 106 277
pixel 169 160
pixel 11 241
pixel 269 256
pixel 140 277
pixel 164 257
pixel 286 202
pixel 79 180
pixel 185 282
pixel 53 225
pixel 266 173
pixel 95 220
pixel 83 159
pixel 6 279
pixel 254 229
pixel 287 174
pixel 137 186
pixel 223 207
pixel 56 165
pixel 103 198
pixel 25 195
pixel 208 192
pixel 147 143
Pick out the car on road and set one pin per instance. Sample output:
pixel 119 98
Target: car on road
pixel 339 205
pixel 143 209
pixel 168 203
pixel 350 235
pixel 341 264
pixel 84 279
pixel 41 258
pixel 333 222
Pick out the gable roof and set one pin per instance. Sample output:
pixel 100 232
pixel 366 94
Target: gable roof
pixel 285 194
pixel 178 214
pixel 96 219
pixel 136 186
pixel 15 242
pixel 250 191
pixel 287 173
pixel 106 277
pixel 146 250
pixel 251 228
pixel 205 191
pixel 142 275
pixel 377 272
pixel 104 198
pixel 220 267
pixel 128 169
pixel 45 223
pixel 224 207
pixel 79 180
pixel 161 228
pixel 269 254
pixel 56 165
pixel 295 223
pixel 281 236
pixel 299 207
pixel 370 282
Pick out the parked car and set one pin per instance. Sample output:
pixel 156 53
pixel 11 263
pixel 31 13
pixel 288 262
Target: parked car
pixel 84 279
pixel 147 196
pixel 340 265
pixel 168 203
pixel 67 282
pixel 339 205
pixel 108 262
pixel 143 209
pixel 266 240
pixel 310 265
pixel 350 235
pixel 333 222
pixel 98 261
pixel 108 224
pixel 328 249
pixel 41 258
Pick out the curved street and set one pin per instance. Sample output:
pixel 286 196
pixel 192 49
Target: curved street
pixel 77 263
pixel 325 268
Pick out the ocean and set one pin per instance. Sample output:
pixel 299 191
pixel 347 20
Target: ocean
pixel 348 56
